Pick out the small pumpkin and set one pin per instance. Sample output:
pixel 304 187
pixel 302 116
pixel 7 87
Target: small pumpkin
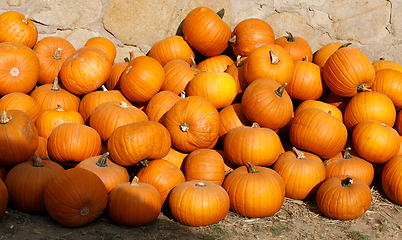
pixel 3 198
pixel 159 104
pixel 389 82
pixel 23 102
pixel 15 27
pixel 391 179
pixel 104 44
pixel 170 48
pixel 177 75
pixel 383 63
pixel 215 64
pixel 326 107
pixel 297 47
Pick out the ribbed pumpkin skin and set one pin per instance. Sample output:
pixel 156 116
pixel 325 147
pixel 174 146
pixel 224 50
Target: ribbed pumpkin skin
pixel 109 172
pixel 103 44
pixel 134 204
pixel 163 175
pixel 41 151
pixel 302 175
pixel 26 184
pixel 85 70
pixel 204 30
pixel 231 116
pixel 170 48
pixel 18 138
pixel 113 83
pixel 346 69
pixel 71 143
pixel 343 203
pixel 159 104
pixel 176 157
pixel 389 82
pixel 19 71
pixel 385 64
pixel 131 143
pixel 52 51
pixel 375 142
pixel 3 198
pixel 199 203
pixel 142 79
pixel 203 122
pixel 75 197
pixel 322 55
pixel 326 107
pixel 14 29
pixel 255 194
pixel 297 47
pixel 317 131
pixel 215 64
pixel 369 106
pixel 251 33
pixel 177 74
pixel 21 101
pixel 392 179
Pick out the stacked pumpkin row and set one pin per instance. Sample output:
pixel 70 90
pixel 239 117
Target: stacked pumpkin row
pixel 225 133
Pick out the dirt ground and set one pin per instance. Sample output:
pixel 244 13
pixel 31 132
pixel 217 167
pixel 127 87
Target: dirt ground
pixel 295 220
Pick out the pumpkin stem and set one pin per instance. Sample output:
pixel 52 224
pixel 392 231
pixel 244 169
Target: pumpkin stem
pixel 193 63
pixel 123 104
pixel 3 118
pixel 104 88
pixel 183 94
pixel 233 39
pixel 344 45
pixel 25 20
pixel 200 184
pixel 102 160
pixel 274 59
pixel 84 211
pixel 300 155
pixel 306 58
pixel 362 88
pixel 57 54
pixel 255 125
pixel 347 182
pixel 290 37
pixel 330 112
pixel 37 161
pixel 347 155
pixel 221 13
pixel 280 90
pixel 382 59
pixel 131 53
pixel 135 181
pixel 251 168
pixel 144 162
pixel 55 86
pixel 14 72
pixel 184 127
pixel 59 108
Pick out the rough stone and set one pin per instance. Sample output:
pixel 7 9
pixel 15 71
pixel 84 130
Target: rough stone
pixel 77 38
pixel 363 21
pixel 68 14
pixel 297 3
pixel 290 22
pixel 376 51
pixel 16 3
pixel 140 22
pixel 251 9
pixel 123 53
pixel 320 20
pixel 323 40
pixel 397 22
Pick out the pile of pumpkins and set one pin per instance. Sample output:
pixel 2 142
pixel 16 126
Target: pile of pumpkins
pixel 210 121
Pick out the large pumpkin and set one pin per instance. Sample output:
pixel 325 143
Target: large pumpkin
pixel 15 27
pixel 75 197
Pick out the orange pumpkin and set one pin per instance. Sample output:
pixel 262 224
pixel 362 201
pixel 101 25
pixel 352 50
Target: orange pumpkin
pixel 176 157
pixel 103 44
pixel 177 75
pixel 231 116
pixel 297 47
pixel 322 54
pixel 23 102
pixel 3 198
pixel 159 104
pixel 236 69
pixel 170 48
pixel 113 83
pixel 389 82
pixel 215 64
pixel 391 179
pixel 326 107
pixel 386 64
pixel 15 27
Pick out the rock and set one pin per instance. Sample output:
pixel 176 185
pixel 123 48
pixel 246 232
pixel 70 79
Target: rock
pixel 320 20
pixel 298 3
pixel 123 55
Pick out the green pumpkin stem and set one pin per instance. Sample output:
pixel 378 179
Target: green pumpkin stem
pixel 280 90
pixel 144 162
pixel 347 182
pixel 344 45
pixel 135 181
pixel 299 154
pixel 25 20
pixel 55 86
pixel 347 155
pixel 290 37
pixel 251 168
pixel 221 13
pixel 3 118
pixel 102 160
pixel 362 88
pixel 184 127
pixel 37 161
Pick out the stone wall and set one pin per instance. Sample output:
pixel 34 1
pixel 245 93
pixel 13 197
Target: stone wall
pixel 373 26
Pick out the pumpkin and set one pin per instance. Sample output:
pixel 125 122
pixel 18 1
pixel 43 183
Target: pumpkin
pixel 108 116
pixel 176 157
pixel 231 116
pixel 398 122
pixel 131 143
pixel 205 164
pixel 297 47
pixel 318 132
pixel 15 27
pixel 71 143
pixel 322 54
pixel 109 172
pixel 255 144
pixel 348 71
pixel 103 44
pixel 159 104
pixel 113 83
pixel 52 51
pixel 18 137
pixel 343 197
pixel 250 34
pixel 177 74
pixel 49 95
pixel 302 172
pixel 170 48
pixel 3 198
pixel 219 88
pixel 3 172
pixel 369 105
pixel 383 63
pixel 375 141
pixel 134 204
pixel 266 102
pixel 193 123
pixel 205 30
pixel 85 70
pixel 348 164
pixel 326 107
pixel 255 191
pixel 26 183
pixel 161 174
pixel 19 71
pixel 41 151
pixel 23 102
pixel 333 99
pixel 391 179
pixel 269 61
pixel 51 118
pixel 75 197
pixel 215 64
pixel 236 70
pixel 389 82
pixel 198 203
pixel 142 79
